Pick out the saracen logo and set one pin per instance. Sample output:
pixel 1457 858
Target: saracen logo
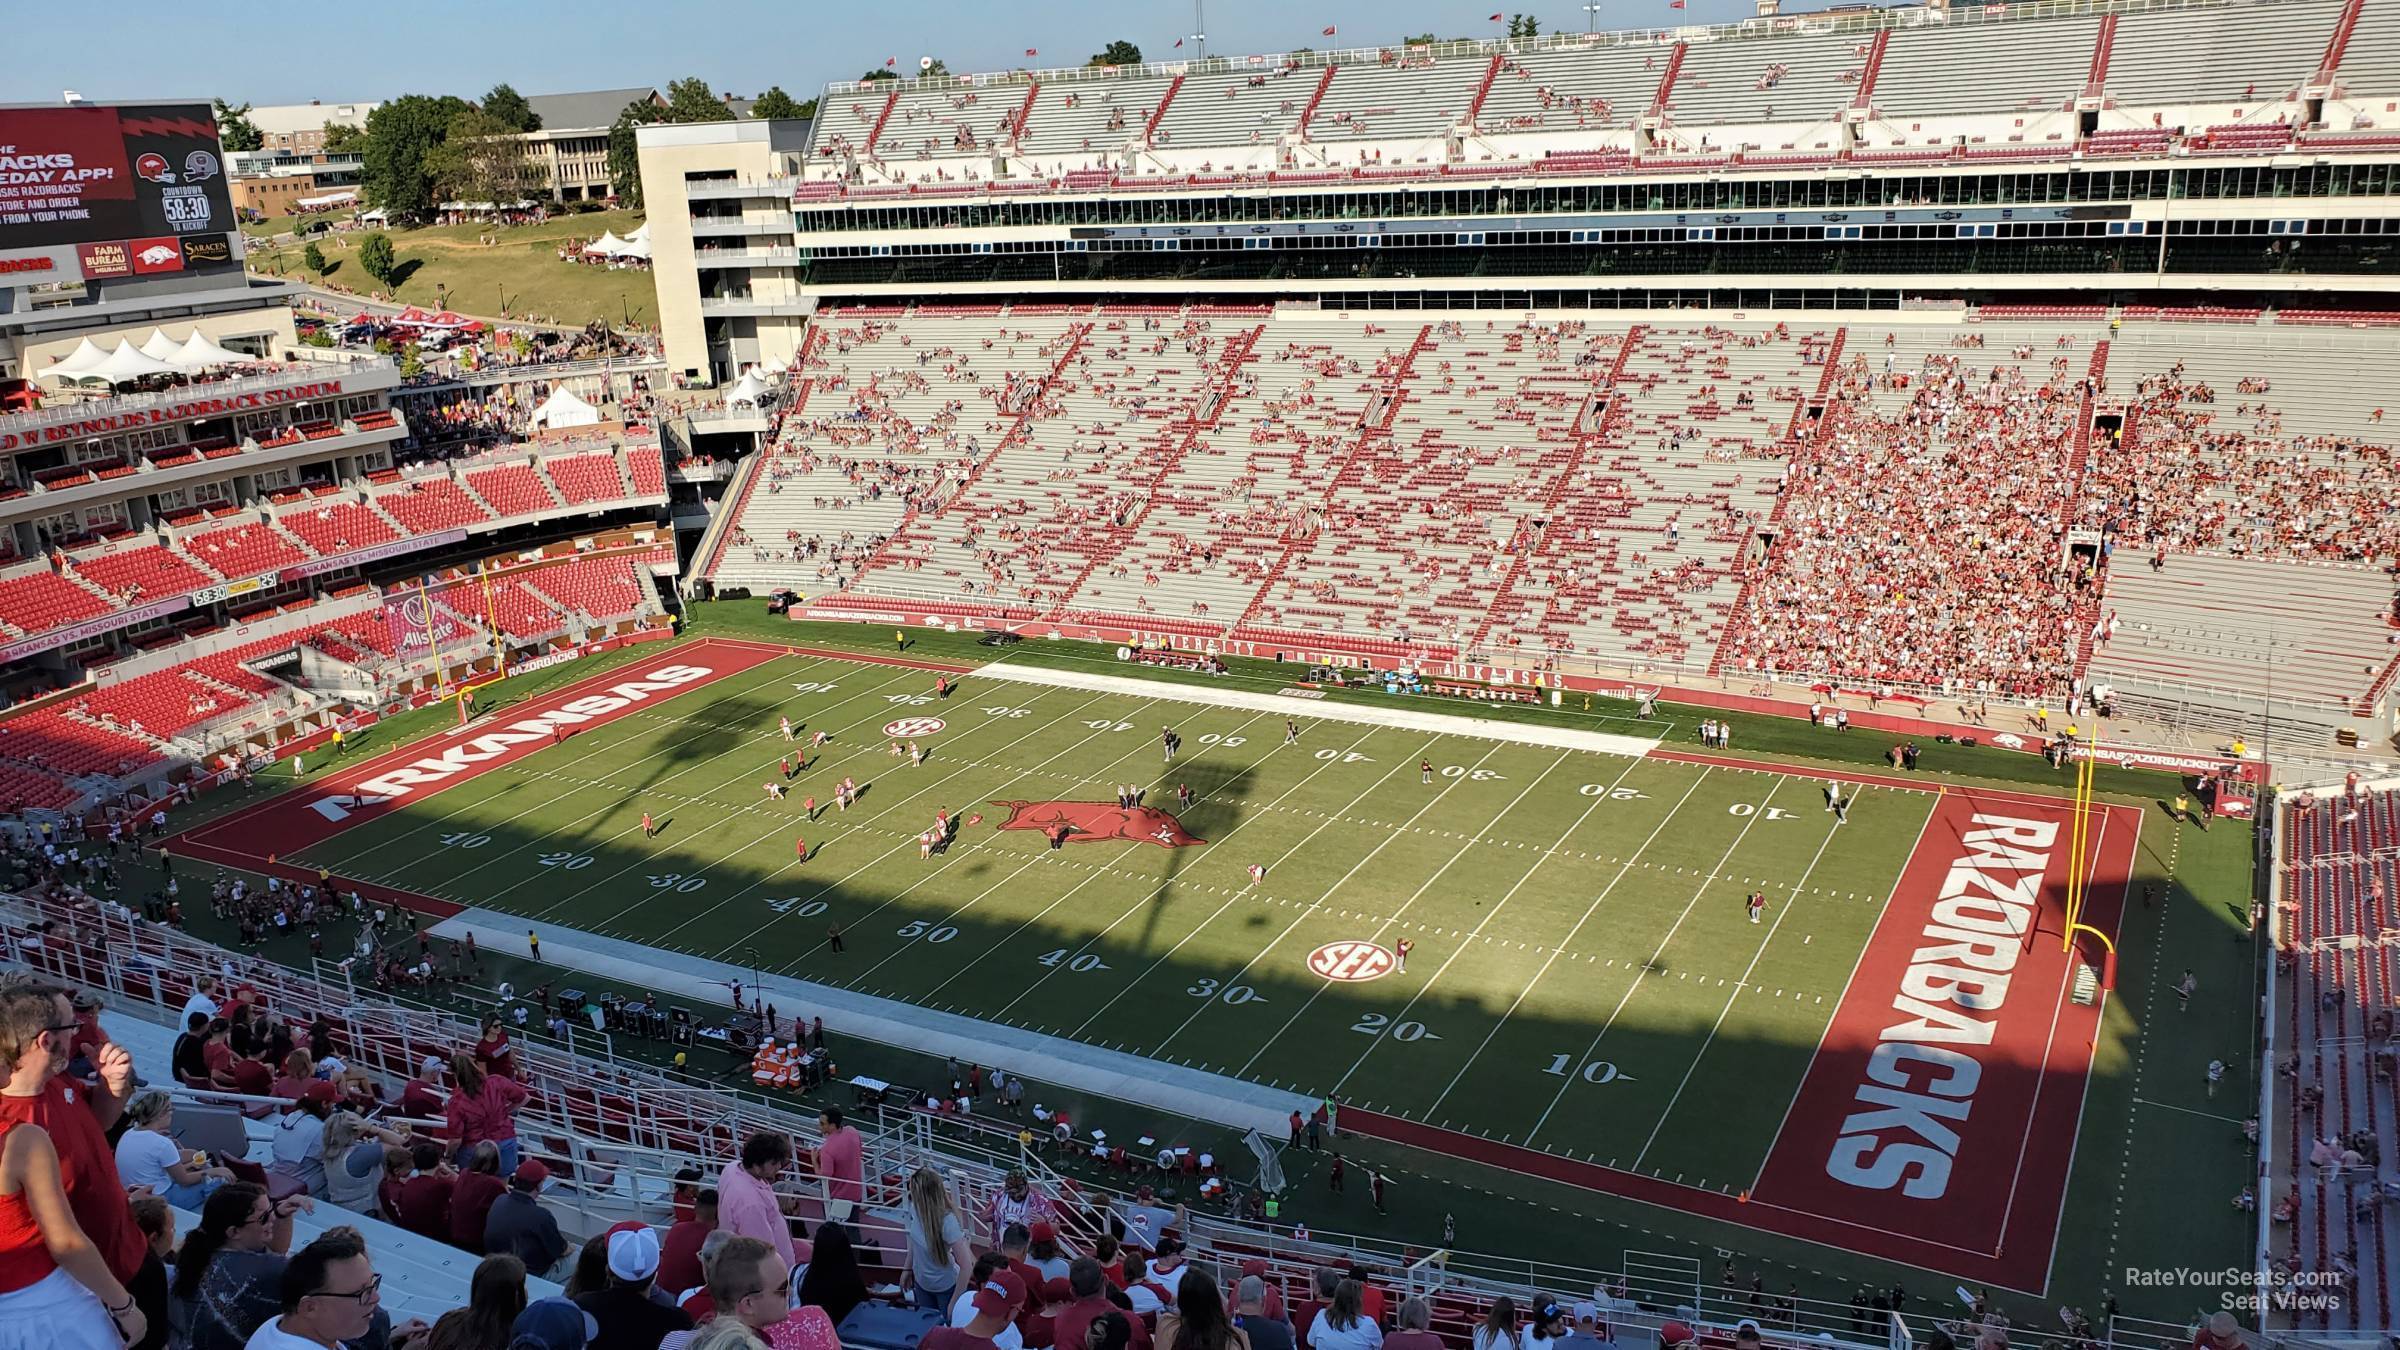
pixel 541 726
pixel 1352 962
pixel 1097 822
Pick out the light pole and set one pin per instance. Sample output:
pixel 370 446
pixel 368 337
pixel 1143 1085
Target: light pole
pixel 1591 18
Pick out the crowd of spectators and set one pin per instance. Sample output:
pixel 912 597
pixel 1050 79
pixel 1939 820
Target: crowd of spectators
pixel 1922 543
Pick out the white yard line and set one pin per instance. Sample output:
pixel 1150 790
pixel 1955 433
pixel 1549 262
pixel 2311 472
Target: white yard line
pixel 1476 932
pixel 1399 717
pixel 1782 911
pixel 1623 870
pixel 1758 812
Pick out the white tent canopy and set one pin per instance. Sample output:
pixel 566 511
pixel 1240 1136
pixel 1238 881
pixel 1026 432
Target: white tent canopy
pixel 128 363
pixel 608 245
pixel 563 409
pixel 746 390
pixel 160 347
pixel 77 364
pixel 342 198
pixel 198 353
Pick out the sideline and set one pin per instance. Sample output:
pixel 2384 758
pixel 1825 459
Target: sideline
pixel 1404 719
pixel 1115 1074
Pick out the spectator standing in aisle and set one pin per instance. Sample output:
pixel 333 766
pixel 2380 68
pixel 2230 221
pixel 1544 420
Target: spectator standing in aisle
pixel 484 1106
pixel 747 1205
pixel 938 1255
pixel 35 1018
pixel 841 1158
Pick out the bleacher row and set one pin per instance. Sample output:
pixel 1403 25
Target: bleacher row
pixel 1516 489
pixel 2340 863
pixel 195 549
pixel 125 727
pixel 2214 79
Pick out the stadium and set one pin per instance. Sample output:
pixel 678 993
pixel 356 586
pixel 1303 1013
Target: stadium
pixel 1741 677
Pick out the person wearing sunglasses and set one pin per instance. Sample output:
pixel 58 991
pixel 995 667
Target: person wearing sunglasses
pixel 62 1208
pixel 332 1298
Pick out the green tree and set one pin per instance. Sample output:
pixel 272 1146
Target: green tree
pixel 402 136
pixel 481 159
pixel 879 73
pixel 509 108
pixel 624 164
pixel 341 138
pixel 1524 26
pixel 691 100
pixel 777 104
pixel 412 362
pixel 1117 53
pixel 1420 40
pixel 939 67
pixel 235 129
pixel 377 258
pixel 314 258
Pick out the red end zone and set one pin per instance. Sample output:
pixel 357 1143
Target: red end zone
pixel 1936 1124
pixel 314 812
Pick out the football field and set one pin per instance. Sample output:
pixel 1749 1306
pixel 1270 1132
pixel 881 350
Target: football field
pixel 1585 991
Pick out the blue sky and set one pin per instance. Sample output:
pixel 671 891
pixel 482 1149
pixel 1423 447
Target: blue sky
pixel 373 49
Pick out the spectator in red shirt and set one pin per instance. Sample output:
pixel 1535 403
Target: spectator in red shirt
pixel 298 1072
pixel 250 1074
pixel 472 1195
pixel 494 1053
pixel 398 1166
pixel 1087 1283
pixel 424 1199
pixel 421 1096
pixel 1325 1282
pixel 77 1122
pixel 484 1106
pixel 679 1255
pixel 840 1159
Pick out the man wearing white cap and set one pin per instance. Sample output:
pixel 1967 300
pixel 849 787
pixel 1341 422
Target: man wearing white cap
pixel 629 1318
pixel 996 1303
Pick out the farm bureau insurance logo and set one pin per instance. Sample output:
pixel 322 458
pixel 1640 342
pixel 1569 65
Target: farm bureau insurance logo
pixel 1097 822
pixel 914 726
pixel 531 730
pixel 1350 962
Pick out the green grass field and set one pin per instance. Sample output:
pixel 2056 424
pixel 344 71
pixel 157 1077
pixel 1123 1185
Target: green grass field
pixel 519 274
pixel 1584 976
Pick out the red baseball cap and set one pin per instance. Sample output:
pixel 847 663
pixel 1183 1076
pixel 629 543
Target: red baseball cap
pixel 1001 1295
pixel 1041 1230
pixel 531 1173
pixel 321 1092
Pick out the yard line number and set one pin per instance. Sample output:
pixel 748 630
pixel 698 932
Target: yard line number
pixel 792 904
pixel 919 928
pixel 569 862
pixel 1083 963
pixel 1381 1024
pixel 462 839
pixel 1597 1071
pixel 1233 995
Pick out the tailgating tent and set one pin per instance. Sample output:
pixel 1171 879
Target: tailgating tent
pixel 77 364
pixel 608 245
pixel 160 347
pixel 563 409
pixel 198 353
pixel 128 363
pixel 328 201
pixel 746 390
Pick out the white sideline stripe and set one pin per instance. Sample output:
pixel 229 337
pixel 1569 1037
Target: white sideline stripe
pixel 1405 719
pixel 1115 1074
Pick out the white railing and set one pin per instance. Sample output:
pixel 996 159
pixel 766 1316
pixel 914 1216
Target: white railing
pixel 76 410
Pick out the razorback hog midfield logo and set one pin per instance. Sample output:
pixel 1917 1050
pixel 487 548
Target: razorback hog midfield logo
pixel 1097 822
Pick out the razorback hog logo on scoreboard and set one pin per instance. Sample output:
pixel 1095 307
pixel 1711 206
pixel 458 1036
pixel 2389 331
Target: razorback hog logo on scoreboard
pixel 1098 822
pixel 539 727
pixel 914 726
pixel 1351 962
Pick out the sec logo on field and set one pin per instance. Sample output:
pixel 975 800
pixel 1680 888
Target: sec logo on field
pixel 1352 962
pixel 914 726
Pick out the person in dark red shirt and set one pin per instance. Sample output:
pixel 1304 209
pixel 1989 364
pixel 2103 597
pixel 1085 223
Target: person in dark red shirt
pixel 423 1203
pixel 251 1075
pixel 472 1196
pixel 421 1096
pixel 679 1255
pixel 1090 1288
